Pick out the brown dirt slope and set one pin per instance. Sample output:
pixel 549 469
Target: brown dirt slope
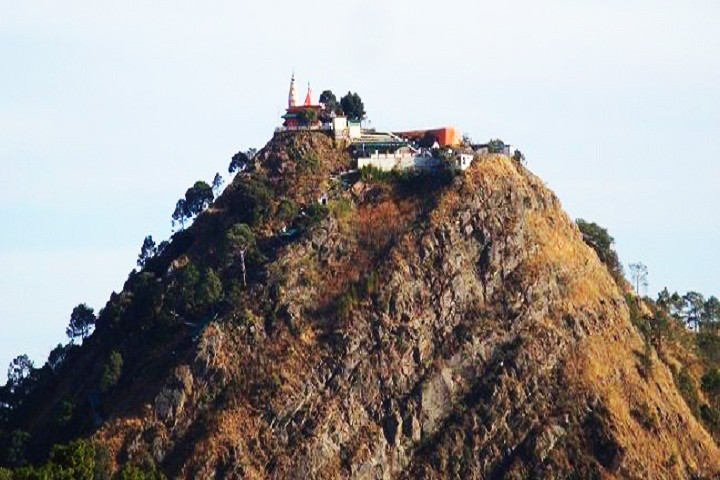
pixel 453 327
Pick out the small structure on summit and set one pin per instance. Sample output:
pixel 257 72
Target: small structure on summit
pixel 301 117
pixel 430 149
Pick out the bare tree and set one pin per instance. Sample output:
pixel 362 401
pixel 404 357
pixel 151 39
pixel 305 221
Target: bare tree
pixel 639 274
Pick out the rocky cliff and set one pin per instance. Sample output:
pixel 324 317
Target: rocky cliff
pixel 447 326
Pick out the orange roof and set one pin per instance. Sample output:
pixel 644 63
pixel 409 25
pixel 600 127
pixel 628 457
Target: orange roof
pixel 308 97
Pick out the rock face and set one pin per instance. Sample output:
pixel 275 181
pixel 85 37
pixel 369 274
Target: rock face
pixel 448 329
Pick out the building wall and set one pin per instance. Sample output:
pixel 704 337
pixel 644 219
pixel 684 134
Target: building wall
pixel 446 137
pixel 398 161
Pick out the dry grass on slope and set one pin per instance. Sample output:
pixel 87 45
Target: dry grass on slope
pixel 661 437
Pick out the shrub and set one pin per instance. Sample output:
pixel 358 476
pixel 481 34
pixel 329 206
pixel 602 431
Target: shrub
pixel 287 210
pixel 600 240
pixel 687 389
pixel 111 371
pixel 711 418
pixel 711 383
pixel 312 216
pixel 209 291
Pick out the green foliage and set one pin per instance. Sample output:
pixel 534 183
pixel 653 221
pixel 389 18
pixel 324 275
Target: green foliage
pixel 240 241
pixel 253 201
pixel 694 308
pixel 239 237
pixel 408 182
pixel 19 370
pixel 63 413
pixel 329 100
pixel 82 319
pixel 239 162
pixel 80 460
pixel 131 472
pixel 287 210
pixel 639 277
pixel 353 106
pixel 309 163
pixel 708 344
pixel 346 304
pixel 147 251
pixel 519 157
pixel 197 198
pixel 711 418
pixel 686 386
pixel 307 116
pixel 312 215
pixel 111 371
pixel 341 208
pixel 57 356
pixel 197 292
pixel 209 290
pixel 711 383
pixel 600 240
pixel 217 183
pixel 77 460
pixel 15 453
pixel 496 145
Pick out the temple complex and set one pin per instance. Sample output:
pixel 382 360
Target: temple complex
pixel 302 116
pixel 416 149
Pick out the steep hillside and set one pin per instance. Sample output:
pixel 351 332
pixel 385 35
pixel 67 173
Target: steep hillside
pixel 446 326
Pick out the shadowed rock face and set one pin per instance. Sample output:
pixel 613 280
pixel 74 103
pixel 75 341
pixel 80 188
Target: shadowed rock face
pixel 447 329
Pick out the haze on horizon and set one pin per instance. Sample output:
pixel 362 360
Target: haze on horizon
pixel 109 112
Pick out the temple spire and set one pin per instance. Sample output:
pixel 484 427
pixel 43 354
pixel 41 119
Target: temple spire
pixel 292 97
pixel 308 97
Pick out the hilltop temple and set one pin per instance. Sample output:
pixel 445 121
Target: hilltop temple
pixel 384 150
pixel 306 115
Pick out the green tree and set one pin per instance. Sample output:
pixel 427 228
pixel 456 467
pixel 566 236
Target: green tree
pixel 694 305
pixel 16 452
pixel 197 198
pixel 57 356
pixel 240 242
pixel 111 371
pixel 428 140
pixel 209 289
pixel 217 184
pixel 188 278
pixel 600 240
pixel 711 313
pixel 519 157
pixel 19 372
pixel 239 162
pixel 82 319
pixel 711 383
pixel 147 251
pixel 179 215
pixel 353 106
pixel 329 100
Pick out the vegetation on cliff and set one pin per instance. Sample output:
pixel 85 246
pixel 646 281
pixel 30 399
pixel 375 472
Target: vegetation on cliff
pixel 311 323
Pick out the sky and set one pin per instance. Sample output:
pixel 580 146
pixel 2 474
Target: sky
pixel 110 110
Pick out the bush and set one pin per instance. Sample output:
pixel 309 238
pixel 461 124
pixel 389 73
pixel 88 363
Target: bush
pixel 600 240
pixel 313 215
pixel 711 418
pixel 287 210
pixel 686 386
pixel 711 383
pixel 111 371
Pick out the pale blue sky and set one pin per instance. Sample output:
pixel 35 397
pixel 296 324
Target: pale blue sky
pixel 109 111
